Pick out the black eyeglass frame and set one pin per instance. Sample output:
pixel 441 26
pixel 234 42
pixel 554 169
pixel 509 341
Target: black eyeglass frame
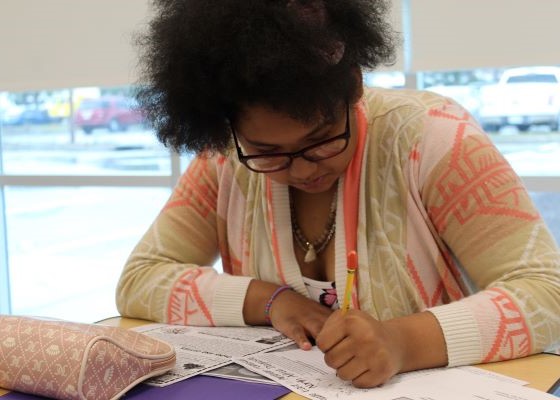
pixel 244 159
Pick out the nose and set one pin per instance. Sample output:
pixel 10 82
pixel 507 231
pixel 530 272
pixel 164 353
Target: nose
pixel 302 169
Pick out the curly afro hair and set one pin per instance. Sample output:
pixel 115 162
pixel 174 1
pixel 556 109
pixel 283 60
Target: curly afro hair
pixel 204 60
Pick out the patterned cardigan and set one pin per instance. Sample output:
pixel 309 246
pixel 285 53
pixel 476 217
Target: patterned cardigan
pixel 438 217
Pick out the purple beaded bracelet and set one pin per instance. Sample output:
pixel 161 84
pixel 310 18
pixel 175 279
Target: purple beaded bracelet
pixel 269 302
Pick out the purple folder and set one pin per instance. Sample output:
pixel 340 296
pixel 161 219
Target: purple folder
pixel 198 387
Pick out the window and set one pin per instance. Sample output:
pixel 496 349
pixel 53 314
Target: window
pixel 83 176
pixel 67 246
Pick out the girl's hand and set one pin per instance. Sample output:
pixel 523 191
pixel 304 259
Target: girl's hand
pixel 369 352
pixel 361 349
pixel 298 317
pixel 292 314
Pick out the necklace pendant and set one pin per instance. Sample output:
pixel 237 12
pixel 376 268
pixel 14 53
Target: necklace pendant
pixel 310 255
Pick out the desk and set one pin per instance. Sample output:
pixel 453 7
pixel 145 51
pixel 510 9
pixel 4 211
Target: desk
pixel 540 370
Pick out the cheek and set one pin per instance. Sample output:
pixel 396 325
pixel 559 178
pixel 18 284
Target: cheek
pixel 279 177
pixel 348 154
pixel 340 163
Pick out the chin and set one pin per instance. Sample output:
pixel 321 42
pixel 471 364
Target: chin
pixel 321 185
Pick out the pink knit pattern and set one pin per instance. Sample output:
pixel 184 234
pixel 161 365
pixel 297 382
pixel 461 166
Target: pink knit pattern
pixel 69 360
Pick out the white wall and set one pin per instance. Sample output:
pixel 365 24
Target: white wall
pixel 459 34
pixel 49 44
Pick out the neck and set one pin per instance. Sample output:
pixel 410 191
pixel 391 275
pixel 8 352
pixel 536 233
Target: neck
pixel 313 221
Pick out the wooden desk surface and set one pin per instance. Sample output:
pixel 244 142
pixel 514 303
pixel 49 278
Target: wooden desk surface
pixel 540 370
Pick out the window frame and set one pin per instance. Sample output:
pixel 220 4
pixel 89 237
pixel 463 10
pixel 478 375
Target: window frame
pixel 8 180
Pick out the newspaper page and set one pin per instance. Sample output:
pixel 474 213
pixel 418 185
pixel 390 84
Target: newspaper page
pixel 306 373
pixel 201 349
pixel 239 373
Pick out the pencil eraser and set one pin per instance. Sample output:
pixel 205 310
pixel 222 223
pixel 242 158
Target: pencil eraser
pixel 352 260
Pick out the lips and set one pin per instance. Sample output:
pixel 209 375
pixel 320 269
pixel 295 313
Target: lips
pixel 311 183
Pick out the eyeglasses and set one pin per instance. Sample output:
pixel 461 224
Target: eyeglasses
pixel 278 161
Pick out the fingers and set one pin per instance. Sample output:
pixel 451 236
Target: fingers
pixel 351 371
pixel 364 374
pixel 302 341
pixel 369 379
pixel 332 332
pixel 299 318
pixel 356 346
pixel 303 333
pixel 314 326
pixel 339 355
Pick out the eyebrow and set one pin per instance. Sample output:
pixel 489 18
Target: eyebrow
pixel 311 133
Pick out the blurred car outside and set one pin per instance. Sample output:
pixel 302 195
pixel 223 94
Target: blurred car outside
pixel 465 95
pixel 115 113
pixel 24 115
pixel 523 97
pixel 58 106
pixel 33 115
pixel 10 112
pixel 58 110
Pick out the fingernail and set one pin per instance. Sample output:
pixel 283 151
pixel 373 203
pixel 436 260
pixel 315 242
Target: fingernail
pixel 305 346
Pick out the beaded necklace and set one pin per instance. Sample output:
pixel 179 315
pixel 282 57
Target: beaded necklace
pixel 312 248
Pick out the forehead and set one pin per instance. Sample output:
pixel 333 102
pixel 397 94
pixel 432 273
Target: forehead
pixel 265 124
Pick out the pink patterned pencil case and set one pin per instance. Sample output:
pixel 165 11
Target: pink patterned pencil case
pixel 70 360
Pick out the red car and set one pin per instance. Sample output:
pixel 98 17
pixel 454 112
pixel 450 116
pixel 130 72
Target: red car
pixel 111 112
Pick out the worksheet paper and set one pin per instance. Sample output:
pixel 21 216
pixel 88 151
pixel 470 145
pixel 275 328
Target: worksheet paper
pixel 306 373
pixel 201 349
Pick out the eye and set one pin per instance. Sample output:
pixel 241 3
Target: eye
pixel 264 152
pixel 257 149
pixel 326 132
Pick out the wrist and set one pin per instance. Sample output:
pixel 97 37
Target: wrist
pixel 258 295
pixel 268 305
pixel 420 341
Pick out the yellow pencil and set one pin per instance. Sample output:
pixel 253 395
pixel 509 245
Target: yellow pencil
pixel 351 266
